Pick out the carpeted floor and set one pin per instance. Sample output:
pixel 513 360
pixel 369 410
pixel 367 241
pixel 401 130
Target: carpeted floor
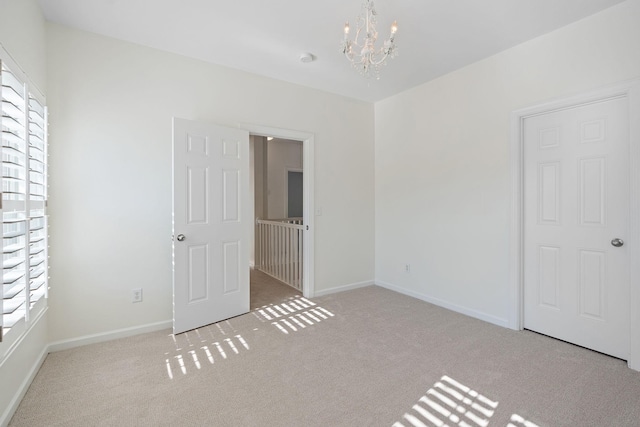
pixel 367 357
pixel 267 290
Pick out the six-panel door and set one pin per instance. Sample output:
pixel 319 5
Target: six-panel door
pixel 576 202
pixel 212 219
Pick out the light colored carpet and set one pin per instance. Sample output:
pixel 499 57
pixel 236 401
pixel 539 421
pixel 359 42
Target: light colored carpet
pixel 367 357
pixel 267 290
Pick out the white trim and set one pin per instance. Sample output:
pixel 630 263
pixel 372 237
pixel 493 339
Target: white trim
pixel 344 288
pixel 634 226
pixel 516 221
pixel 446 304
pixel 108 336
pixel 66 345
pixel 26 327
pixel 22 390
pixel 308 163
pixel 631 91
pixel 17 70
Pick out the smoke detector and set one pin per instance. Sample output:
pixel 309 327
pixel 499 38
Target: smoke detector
pixel 307 57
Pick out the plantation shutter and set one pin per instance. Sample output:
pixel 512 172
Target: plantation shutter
pixel 37 202
pixel 24 221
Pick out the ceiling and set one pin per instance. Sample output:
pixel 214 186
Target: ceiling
pixel 267 37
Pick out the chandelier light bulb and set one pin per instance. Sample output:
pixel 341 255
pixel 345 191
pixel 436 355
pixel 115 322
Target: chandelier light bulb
pixel 346 28
pixel 394 27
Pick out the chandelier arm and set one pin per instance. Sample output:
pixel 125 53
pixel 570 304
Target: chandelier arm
pixel 356 39
pixel 384 57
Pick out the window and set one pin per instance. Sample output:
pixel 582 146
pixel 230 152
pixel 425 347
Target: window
pixel 23 208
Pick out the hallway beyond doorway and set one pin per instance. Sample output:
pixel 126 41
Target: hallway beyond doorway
pixel 267 290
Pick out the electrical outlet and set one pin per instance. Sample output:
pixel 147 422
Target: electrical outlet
pixel 136 295
pixel 407 268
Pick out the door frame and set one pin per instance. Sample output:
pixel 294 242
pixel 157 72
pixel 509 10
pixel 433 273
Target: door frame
pixel 308 162
pixel 631 91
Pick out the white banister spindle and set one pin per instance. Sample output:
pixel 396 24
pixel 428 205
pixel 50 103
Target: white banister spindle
pixel 262 248
pixel 289 253
pixel 280 249
pixel 269 249
pixel 282 252
pixel 277 252
pixel 300 265
pixel 272 250
pixel 263 262
pixel 292 264
pixel 261 234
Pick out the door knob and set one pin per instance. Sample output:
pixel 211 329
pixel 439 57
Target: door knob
pixel 180 238
pixel 617 242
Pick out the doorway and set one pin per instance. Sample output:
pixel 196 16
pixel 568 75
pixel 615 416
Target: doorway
pixel 570 277
pixel 306 221
pixel 278 238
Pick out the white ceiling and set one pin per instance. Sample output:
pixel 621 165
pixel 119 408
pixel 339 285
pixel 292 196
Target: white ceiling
pixel 267 37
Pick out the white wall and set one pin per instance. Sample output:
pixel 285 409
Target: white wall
pixel 282 155
pixel 442 171
pixel 22 35
pixel 111 105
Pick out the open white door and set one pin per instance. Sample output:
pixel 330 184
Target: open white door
pixel 211 224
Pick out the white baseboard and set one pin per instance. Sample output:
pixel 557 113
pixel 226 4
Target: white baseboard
pixel 68 344
pixel 22 390
pixel 445 304
pixel 26 382
pixel 108 336
pixel 343 288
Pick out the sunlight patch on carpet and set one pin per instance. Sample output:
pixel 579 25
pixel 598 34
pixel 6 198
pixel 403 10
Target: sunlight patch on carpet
pixel 518 421
pixel 199 348
pixel 450 403
pixel 293 314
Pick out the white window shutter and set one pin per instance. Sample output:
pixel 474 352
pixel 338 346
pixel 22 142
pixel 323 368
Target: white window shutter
pixel 23 208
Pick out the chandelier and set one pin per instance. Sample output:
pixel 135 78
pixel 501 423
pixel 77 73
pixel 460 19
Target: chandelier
pixel 361 51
